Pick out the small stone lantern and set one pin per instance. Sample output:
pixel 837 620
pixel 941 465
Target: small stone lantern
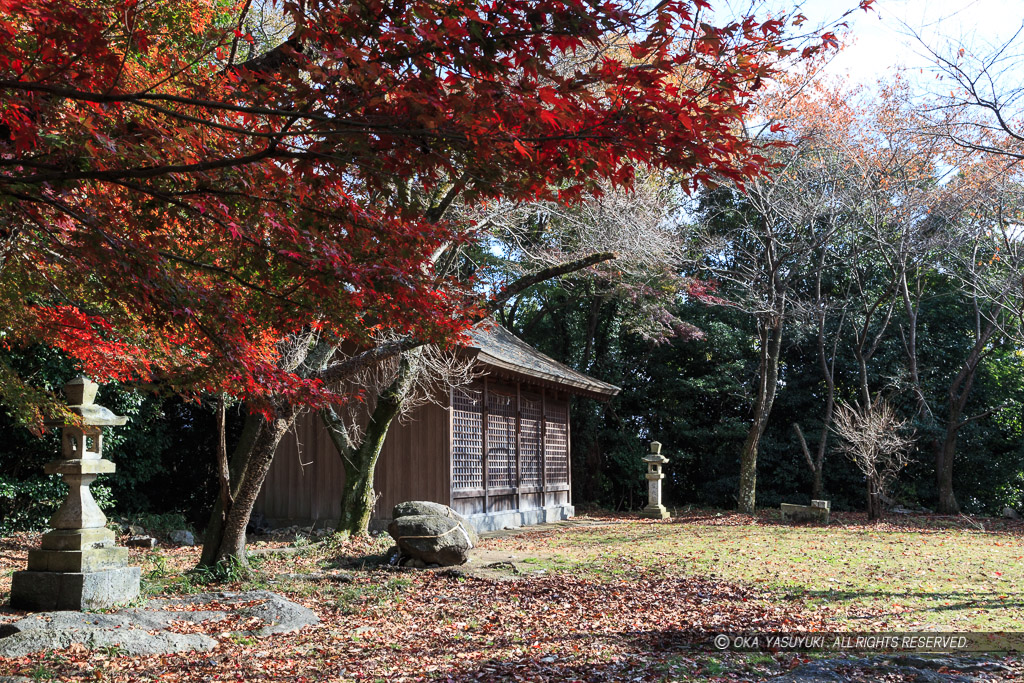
pixel 654 461
pixel 78 566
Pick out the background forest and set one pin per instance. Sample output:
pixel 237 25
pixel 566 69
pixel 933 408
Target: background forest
pixel 862 253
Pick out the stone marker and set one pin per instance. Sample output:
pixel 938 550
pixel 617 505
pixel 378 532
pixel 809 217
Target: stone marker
pixel 78 566
pixel 818 511
pixel 654 476
pixel 425 507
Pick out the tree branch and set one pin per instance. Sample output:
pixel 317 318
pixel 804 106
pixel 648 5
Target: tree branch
pixel 528 281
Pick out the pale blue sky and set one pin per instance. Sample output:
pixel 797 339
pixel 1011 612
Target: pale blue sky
pixel 881 42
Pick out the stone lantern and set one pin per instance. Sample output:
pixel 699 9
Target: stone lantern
pixel 78 566
pixel 654 461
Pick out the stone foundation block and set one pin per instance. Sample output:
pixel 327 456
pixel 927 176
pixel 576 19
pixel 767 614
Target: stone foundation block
pixel 655 512
pixel 78 539
pixel 817 512
pixel 41 591
pixel 77 561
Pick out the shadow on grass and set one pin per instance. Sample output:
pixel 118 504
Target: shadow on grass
pixel 963 599
pixel 852 520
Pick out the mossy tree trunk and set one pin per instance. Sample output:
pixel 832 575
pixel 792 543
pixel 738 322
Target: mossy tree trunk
pixel 770 336
pixel 359 460
pixel 224 539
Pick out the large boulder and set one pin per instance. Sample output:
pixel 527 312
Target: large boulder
pixel 412 508
pixel 431 539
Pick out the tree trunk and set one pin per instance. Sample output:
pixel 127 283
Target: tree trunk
pixel 360 462
pixel 959 392
pixel 748 469
pixel 947 503
pixel 817 488
pixel 767 383
pixel 814 467
pixel 874 500
pixel 224 540
pixel 357 497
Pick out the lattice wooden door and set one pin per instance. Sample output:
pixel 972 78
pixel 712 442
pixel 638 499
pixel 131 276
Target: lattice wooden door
pixel 467 440
pixel 556 441
pixel 501 440
pixel 530 439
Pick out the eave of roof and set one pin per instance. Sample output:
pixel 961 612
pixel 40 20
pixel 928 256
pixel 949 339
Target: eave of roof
pixel 498 348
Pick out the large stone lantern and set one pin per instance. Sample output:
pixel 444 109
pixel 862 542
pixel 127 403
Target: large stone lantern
pixel 78 566
pixel 654 475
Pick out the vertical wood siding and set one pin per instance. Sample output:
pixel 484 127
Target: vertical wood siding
pixel 305 479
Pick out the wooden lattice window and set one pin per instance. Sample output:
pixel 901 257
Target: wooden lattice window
pixel 467 439
pixel 556 443
pixel 501 440
pixel 530 440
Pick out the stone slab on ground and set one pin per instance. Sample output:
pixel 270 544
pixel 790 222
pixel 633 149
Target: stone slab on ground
pixel 129 641
pixel 333 577
pixel 278 614
pixel 550 527
pixel 144 631
pixel 922 669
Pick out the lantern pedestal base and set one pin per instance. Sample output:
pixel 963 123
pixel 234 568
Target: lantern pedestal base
pixel 46 591
pixel 655 512
pixel 78 561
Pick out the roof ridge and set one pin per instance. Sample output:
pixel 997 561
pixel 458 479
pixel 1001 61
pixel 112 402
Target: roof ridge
pixel 498 346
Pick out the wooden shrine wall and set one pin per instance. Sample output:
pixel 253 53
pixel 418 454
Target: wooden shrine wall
pixel 304 483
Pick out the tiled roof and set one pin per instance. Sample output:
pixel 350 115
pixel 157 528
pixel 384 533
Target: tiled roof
pixel 499 348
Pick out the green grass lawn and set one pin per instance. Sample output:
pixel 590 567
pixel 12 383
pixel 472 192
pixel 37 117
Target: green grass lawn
pixel 919 574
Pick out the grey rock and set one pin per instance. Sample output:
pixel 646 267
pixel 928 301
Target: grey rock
pixel 818 514
pixel 133 618
pixel 815 672
pixel 962 664
pixel 141 542
pixel 136 530
pixel 130 641
pixel 1010 513
pixel 280 615
pixel 333 577
pixel 432 539
pixel 413 508
pixel 182 537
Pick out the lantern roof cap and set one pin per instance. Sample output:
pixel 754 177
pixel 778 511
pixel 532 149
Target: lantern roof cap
pixel 81 393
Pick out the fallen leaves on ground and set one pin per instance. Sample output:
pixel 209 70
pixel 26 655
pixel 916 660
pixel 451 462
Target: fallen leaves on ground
pixel 586 610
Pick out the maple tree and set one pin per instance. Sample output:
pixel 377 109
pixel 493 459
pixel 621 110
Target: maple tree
pixel 179 216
